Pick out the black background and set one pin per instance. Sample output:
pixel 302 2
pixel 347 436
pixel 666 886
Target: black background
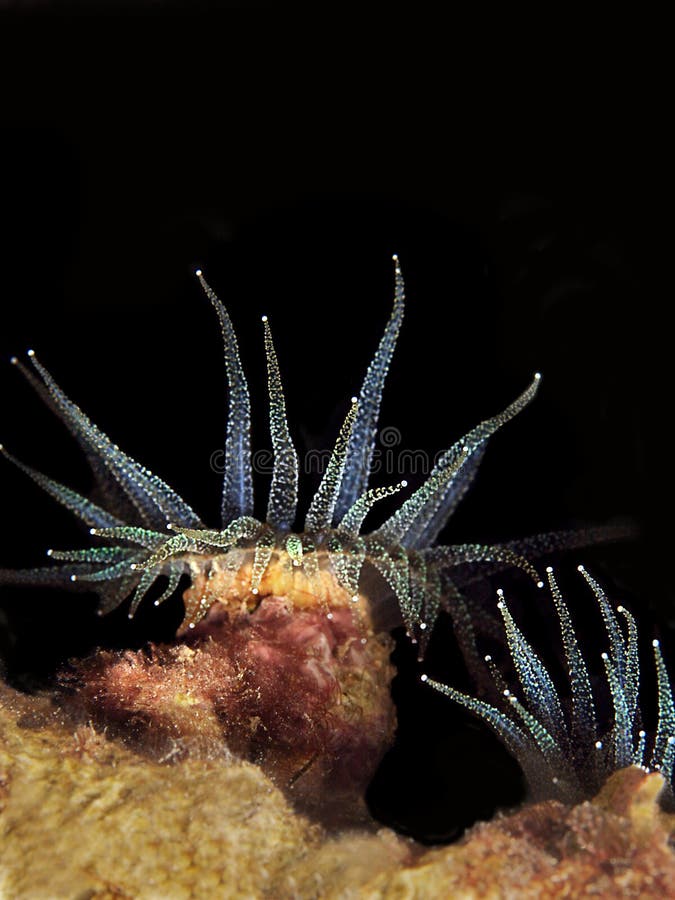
pixel 531 233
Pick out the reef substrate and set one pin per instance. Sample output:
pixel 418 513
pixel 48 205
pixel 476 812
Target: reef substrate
pixel 84 816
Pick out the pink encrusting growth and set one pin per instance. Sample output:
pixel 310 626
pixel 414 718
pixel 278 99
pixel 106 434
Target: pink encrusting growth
pixel 304 696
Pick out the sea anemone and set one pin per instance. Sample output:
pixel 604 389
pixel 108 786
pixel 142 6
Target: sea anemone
pixel 564 750
pixel 283 653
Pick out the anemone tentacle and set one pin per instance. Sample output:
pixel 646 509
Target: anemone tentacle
pixel 562 748
pixel 238 477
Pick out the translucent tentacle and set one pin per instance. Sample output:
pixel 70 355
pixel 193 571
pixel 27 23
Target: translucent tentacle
pixel 263 553
pixel 512 735
pixel 322 508
pixel 243 529
pixel 616 642
pixel 173 577
pixel 353 518
pixel 283 497
pixel 665 728
pixel 537 684
pixel 418 508
pixel 131 534
pixel 583 708
pixel 89 512
pixel 458 554
pixel 622 731
pixel 146 581
pixel 362 439
pixel 426 534
pixel 155 501
pixel 421 511
pixel 92 554
pixel 238 477
pixel 632 673
pixel 347 559
pixel 46 576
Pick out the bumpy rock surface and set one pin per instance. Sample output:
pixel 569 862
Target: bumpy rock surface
pixel 83 816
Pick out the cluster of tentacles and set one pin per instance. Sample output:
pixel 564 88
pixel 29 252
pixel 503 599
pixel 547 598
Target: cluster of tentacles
pixel 562 748
pixel 147 530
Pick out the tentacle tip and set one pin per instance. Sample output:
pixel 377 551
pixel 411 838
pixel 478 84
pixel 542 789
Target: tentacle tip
pixel 50 552
pixel 156 603
pixel 263 319
pixel 656 643
pixel 354 399
pixel 169 526
pixel 540 584
pixel 254 590
pixel 404 484
pixel 198 273
pixel 192 625
pixel 394 257
pixel 500 592
pixel 604 656
pixel 130 615
pixel 30 353
pixel 133 567
pixel 598 745
pixel 549 569
pixel 93 531
pixel 537 376
pixel 424 677
pixel 488 658
pixel 14 360
pixel 73 578
pixel 423 626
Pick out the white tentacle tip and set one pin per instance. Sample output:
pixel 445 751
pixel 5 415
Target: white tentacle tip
pixel 30 353
pixel 424 677
pixel 198 273
pixel 73 577
pixel 263 319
